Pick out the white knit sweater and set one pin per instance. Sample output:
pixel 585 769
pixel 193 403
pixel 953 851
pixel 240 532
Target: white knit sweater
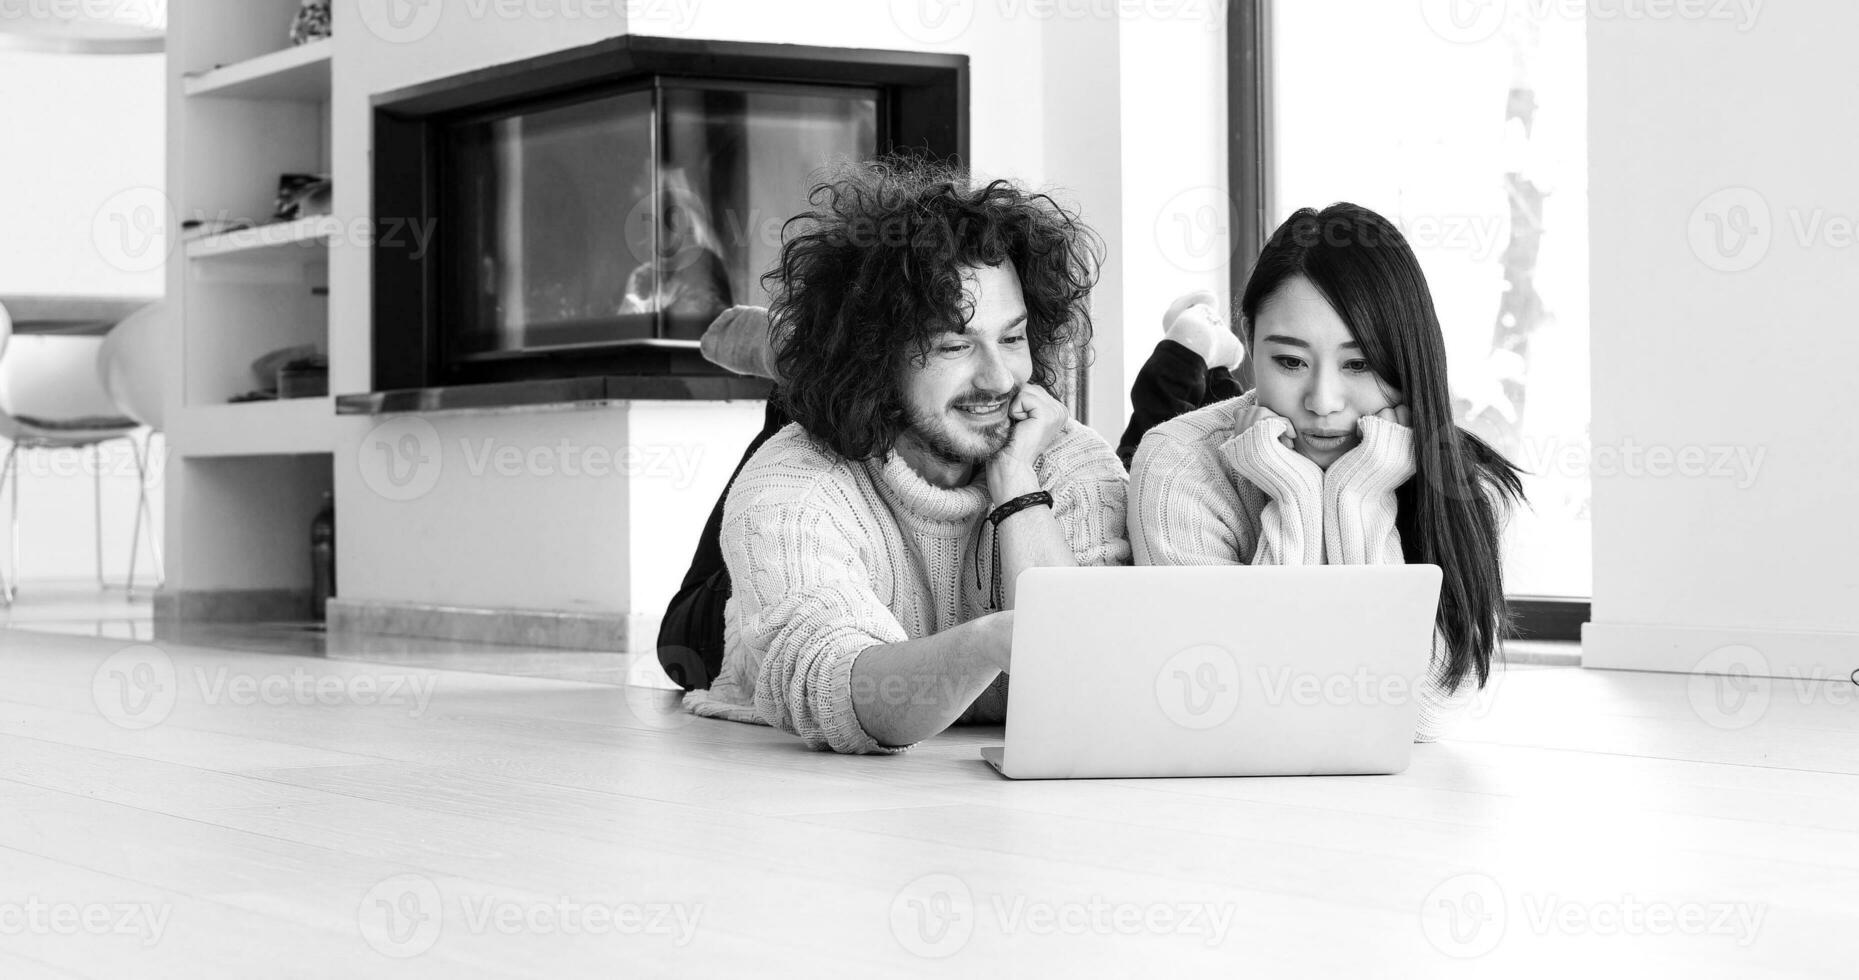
pixel 1204 493
pixel 829 557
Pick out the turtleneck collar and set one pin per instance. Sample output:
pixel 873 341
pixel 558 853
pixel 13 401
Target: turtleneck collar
pixel 954 508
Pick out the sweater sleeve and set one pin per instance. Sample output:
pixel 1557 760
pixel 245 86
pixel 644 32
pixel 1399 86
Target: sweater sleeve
pixel 1178 512
pixel 1290 522
pixel 806 607
pixel 1358 496
pixel 1090 497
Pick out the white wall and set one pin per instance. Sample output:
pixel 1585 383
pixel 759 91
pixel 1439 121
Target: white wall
pixel 1175 233
pixel 78 131
pixel 81 133
pixel 1700 130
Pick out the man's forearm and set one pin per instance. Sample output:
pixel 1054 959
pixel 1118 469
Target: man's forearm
pixel 906 692
pixel 1031 538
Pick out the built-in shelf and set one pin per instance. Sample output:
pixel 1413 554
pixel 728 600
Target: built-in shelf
pixel 303 233
pixel 299 74
pixel 283 427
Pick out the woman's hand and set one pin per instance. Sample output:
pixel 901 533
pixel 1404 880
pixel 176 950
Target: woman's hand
pixel 1396 413
pixel 1255 414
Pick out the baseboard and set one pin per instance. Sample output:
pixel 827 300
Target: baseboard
pixel 231 606
pixel 1717 650
pixel 615 632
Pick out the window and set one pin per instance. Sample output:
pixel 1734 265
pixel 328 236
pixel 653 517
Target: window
pixel 1474 143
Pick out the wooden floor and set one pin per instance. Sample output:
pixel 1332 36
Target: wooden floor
pixel 187 812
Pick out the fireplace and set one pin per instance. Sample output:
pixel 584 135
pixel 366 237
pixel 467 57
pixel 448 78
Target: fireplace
pixel 592 210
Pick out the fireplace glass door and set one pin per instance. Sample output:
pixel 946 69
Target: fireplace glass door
pixel 630 217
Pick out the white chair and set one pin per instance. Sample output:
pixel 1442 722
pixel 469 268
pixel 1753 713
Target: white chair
pixel 51 398
pixel 129 366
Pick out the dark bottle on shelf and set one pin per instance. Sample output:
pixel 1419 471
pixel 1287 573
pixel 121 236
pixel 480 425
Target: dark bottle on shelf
pixel 323 557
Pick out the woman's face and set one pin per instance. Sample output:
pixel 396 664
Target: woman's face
pixel 1312 372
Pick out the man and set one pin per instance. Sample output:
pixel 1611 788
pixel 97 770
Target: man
pixel 873 545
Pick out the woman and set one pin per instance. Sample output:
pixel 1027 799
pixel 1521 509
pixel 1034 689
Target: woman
pixel 1346 451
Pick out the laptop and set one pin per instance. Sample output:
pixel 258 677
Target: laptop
pixel 1216 671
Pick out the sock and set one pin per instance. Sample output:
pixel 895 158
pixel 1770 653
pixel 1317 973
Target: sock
pixel 1199 297
pixel 1200 331
pixel 738 340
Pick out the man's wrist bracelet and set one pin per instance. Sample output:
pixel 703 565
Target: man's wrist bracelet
pixel 1018 504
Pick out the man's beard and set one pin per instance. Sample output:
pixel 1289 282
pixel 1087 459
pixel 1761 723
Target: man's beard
pixel 951 441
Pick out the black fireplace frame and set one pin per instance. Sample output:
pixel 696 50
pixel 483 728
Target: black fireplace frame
pixel 923 110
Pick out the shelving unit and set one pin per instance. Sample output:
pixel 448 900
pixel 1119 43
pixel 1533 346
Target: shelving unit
pixel 299 74
pixel 288 425
pixel 245 108
pixel 312 232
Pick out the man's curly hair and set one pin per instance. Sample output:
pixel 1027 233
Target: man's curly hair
pixel 873 272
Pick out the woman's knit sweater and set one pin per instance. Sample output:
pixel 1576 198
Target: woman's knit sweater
pixel 830 557
pixel 1204 493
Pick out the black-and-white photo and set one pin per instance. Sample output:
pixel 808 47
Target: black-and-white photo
pixel 592 488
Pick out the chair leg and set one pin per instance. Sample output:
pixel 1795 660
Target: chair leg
pixel 154 531
pixel 9 477
pixel 96 484
pixel 144 522
pixel 135 527
pixel 145 516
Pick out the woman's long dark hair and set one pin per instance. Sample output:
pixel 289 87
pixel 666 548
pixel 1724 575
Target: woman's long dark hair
pixel 1451 512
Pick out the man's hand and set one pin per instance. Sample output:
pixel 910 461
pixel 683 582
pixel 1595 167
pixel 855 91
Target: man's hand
pixel 1259 413
pixel 1037 419
pixel 1000 639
